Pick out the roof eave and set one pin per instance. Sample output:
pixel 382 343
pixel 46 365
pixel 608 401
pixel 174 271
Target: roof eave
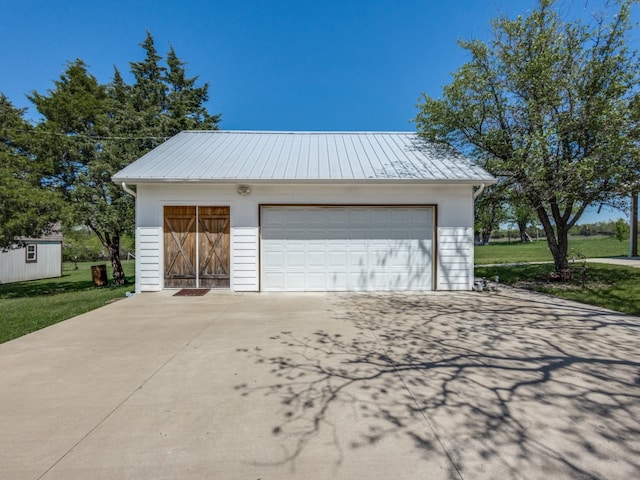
pixel 318 181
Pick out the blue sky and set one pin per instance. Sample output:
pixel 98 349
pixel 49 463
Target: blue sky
pixel 271 65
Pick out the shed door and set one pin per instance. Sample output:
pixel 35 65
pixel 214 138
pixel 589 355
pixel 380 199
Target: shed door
pixel 347 248
pixel 213 247
pixel 196 247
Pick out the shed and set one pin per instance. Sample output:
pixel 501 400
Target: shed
pixel 303 211
pixel 32 259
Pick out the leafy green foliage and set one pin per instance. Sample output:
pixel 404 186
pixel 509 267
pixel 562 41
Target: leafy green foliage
pixel 27 208
pixel 81 245
pixel 91 131
pixel 547 106
pixel 490 211
pixel 622 230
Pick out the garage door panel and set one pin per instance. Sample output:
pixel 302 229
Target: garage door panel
pixel 338 281
pixel 315 281
pixel 347 248
pixel 338 217
pixel 275 217
pixel 337 258
pixel 334 233
pixel 316 259
pixel 276 280
pixel 357 217
pixel 318 219
pixel 358 258
pixel 401 258
pixel 400 217
pixel 294 259
pixel 274 258
pixel 383 218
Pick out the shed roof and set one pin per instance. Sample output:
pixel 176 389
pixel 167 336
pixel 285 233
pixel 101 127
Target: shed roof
pixel 302 157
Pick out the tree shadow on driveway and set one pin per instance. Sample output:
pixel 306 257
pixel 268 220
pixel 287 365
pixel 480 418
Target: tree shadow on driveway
pixel 505 385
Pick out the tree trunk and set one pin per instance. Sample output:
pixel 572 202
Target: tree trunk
pixel 560 249
pixel 112 243
pixel 524 236
pixel 486 236
pixel 119 277
pixel 557 239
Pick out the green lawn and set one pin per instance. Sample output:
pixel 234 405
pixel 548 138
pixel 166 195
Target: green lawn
pixel 609 286
pixel 537 251
pixel 30 306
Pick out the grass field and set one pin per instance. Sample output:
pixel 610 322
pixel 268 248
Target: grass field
pixel 30 306
pixel 609 286
pixel 537 251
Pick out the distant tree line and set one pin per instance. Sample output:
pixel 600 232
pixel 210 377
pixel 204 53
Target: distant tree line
pixel 612 228
pixel 59 170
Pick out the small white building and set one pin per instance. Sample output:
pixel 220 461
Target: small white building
pixel 303 211
pixel 32 259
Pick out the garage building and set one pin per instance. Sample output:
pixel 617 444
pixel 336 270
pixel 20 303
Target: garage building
pixel 303 211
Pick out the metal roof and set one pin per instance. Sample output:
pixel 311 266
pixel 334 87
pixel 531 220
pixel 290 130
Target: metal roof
pixel 302 157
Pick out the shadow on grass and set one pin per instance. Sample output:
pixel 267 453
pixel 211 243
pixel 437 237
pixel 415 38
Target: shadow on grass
pixel 501 386
pixel 610 286
pixel 68 283
pixel 39 288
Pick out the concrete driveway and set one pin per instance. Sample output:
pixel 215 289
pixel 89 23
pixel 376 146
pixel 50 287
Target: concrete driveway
pixel 325 386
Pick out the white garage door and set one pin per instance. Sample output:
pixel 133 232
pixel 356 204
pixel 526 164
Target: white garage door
pixel 346 248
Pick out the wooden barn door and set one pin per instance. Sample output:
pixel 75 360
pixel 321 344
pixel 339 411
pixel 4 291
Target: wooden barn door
pixel 179 247
pixel 213 247
pixel 196 247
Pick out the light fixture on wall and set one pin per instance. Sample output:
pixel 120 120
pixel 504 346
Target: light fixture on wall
pixel 244 190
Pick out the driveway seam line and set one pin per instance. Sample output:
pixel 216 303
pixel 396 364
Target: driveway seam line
pixel 387 352
pixel 117 407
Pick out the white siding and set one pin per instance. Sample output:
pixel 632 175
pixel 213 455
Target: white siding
pixel 148 259
pixel 15 268
pixel 455 258
pixel 454 242
pixel 244 259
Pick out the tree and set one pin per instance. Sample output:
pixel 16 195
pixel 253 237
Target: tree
pixel 521 213
pixel 546 105
pixel 185 100
pixel 635 185
pixel 622 230
pixel 78 116
pixel 489 211
pixel 165 98
pixel 100 129
pixel 27 207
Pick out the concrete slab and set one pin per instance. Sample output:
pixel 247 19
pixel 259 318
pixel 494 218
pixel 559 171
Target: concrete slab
pixel 325 386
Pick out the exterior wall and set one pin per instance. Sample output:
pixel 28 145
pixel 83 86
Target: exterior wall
pixel 15 268
pixel 454 240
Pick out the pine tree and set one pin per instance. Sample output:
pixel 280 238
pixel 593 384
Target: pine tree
pixel 91 131
pixel 185 101
pixel 27 207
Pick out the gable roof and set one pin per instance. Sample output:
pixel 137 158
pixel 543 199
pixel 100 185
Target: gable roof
pixel 302 157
